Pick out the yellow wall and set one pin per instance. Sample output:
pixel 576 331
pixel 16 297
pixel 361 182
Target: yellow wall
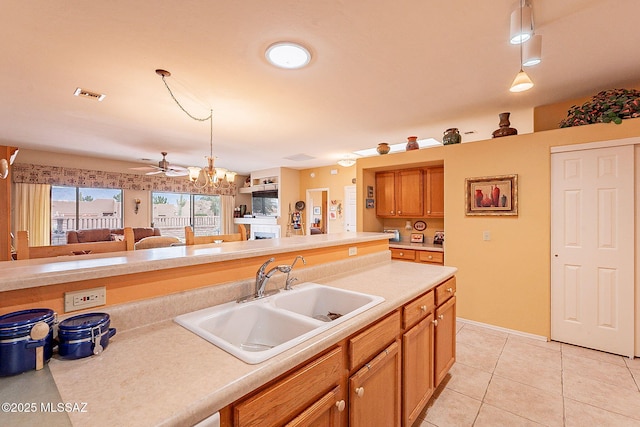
pixel 322 178
pixel 504 281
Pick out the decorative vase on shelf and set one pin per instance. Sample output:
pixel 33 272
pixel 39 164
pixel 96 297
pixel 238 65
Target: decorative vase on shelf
pixel 504 124
pixel 383 148
pixel 451 136
pixel 412 143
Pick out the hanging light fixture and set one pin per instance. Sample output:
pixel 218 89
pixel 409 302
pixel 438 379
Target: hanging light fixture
pixel 522 81
pixel 532 51
pixel 209 175
pixel 521 28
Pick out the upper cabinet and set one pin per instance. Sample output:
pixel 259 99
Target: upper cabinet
pixel 399 193
pixel 434 192
pixel 410 193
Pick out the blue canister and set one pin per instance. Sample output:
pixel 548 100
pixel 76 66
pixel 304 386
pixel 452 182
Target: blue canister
pixel 21 349
pixel 84 335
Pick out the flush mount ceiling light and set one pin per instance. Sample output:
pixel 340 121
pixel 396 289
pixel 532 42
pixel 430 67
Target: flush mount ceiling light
pixel 347 161
pixel 521 28
pixel 288 55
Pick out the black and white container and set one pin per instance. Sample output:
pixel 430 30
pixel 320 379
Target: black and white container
pixel 26 340
pixel 84 335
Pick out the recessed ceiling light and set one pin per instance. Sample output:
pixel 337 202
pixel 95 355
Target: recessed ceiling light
pixel 288 55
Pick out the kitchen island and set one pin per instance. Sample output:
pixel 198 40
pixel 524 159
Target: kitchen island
pixel 155 372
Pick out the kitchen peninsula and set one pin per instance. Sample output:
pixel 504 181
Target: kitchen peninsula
pixel 157 373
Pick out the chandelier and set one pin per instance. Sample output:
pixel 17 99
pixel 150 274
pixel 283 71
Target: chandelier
pixel 208 175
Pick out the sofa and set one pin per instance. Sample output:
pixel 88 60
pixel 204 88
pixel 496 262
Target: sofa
pixel 109 234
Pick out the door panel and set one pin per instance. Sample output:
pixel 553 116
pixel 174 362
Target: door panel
pixel 592 243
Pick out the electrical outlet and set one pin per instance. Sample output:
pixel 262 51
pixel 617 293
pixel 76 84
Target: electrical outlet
pixel 486 236
pixel 353 251
pixel 86 298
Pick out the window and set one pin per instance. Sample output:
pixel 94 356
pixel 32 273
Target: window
pixel 81 208
pixel 173 211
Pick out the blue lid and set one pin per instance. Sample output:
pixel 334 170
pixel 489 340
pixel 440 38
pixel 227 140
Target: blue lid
pixel 25 317
pixel 19 323
pixel 83 321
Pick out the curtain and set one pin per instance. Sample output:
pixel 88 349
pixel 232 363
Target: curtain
pixel 32 212
pixel 226 214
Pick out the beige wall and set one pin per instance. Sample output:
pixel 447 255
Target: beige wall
pixel 322 178
pixel 504 281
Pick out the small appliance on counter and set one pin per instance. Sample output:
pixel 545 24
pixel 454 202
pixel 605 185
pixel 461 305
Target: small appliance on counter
pixel 26 340
pixel 396 234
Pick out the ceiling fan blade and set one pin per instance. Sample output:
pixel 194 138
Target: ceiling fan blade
pixel 177 168
pixel 174 172
pixel 154 172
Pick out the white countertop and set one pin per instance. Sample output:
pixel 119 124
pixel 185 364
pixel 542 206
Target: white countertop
pixel 26 274
pixel 163 374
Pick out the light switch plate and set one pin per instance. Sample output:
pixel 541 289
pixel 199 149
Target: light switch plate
pixel 486 236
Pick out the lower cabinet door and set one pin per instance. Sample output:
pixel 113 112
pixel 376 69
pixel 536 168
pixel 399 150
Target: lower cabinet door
pixel 445 354
pixel 417 369
pixel 374 391
pixel 323 413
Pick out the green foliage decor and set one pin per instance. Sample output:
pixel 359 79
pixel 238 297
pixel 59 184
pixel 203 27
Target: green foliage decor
pixel 605 107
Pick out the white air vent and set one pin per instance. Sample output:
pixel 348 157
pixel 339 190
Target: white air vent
pixel 87 94
pixel 299 157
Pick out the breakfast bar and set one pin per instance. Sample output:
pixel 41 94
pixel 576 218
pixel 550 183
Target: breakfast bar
pixel 155 372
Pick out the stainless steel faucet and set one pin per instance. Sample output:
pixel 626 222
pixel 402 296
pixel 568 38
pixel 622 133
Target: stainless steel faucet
pixel 262 278
pixel 290 280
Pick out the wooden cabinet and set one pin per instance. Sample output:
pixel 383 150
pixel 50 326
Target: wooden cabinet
pixel 302 392
pixel 417 357
pixel 430 257
pixel 383 374
pixel 434 192
pixel 374 390
pixel 445 329
pixel 400 193
pixel 325 412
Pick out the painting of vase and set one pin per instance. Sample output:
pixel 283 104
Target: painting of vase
pixel 492 195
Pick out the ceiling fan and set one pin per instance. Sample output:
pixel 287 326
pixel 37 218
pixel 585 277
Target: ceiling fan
pixel 164 167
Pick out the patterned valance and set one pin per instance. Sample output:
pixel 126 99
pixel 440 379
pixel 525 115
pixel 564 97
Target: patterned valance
pixel 56 175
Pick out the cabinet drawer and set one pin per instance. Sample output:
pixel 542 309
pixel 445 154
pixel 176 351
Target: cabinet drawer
pixel 418 309
pixel 408 254
pixel 372 341
pixel 445 290
pixel 276 404
pixel 429 256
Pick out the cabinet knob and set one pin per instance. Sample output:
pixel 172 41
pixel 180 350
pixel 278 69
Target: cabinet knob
pixel 399 212
pixel 340 405
pixel 428 212
pixel 391 212
pixel 441 317
pixel 435 322
pixel 401 253
pixel 450 290
pixel 430 257
pixel 423 308
pixel 360 391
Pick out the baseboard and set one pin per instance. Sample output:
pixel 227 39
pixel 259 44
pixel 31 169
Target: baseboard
pixel 501 329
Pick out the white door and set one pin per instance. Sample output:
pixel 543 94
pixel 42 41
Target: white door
pixel 592 248
pixel 350 208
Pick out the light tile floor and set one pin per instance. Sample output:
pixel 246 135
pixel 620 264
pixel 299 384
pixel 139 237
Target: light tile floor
pixel 500 379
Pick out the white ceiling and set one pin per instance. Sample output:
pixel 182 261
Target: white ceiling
pixel 381 70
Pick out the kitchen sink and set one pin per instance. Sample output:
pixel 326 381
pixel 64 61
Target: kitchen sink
pixel 261 329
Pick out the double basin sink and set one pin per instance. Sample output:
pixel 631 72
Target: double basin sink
pixel 258 330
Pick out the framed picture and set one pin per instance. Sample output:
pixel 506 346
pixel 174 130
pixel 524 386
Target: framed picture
pixel 369 204
pixel 333 215
pixel 492 195
pixel 369 192
pixel 417 238
pixel 316 210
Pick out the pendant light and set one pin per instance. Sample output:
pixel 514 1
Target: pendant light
pixel 532 51
pixel 521 28
pixel 522 81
